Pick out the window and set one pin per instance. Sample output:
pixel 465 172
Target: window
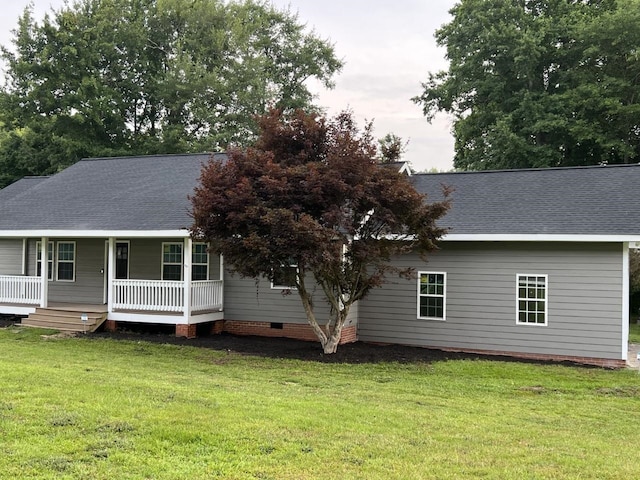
pixel 286 278
pixel 122 260
pixel 532 299
pixel 66 261
pixel 49 260
pixel 199 262
pixel 172 261
pixel 432 295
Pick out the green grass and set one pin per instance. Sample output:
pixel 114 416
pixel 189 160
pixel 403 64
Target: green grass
pixel 91 408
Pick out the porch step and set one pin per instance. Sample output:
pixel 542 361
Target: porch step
pixel 64 320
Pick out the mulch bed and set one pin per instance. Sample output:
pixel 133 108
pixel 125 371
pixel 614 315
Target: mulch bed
pixel 352 353
pixel 358 352
pixel 8 320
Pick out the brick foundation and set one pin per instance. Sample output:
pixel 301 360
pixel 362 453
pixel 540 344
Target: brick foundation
pixel 111 326
pixel 599 362
pixel 287 330
pixel 217 327
pixel 184 330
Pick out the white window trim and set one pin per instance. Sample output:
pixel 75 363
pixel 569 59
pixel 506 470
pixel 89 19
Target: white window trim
pixel 73 262
pixel 193 263
pixel 546 299
pixel 163 262
pixel 444 296
pixel 52 262
pixel 284 287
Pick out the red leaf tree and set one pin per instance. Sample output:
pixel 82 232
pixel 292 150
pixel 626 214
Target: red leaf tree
pixel 310 193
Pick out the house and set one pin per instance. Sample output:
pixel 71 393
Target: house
pixel 535 263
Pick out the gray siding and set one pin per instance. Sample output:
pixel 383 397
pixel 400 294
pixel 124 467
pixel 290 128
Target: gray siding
pixel 11 257
pixel 584 300
pixel 246 300
pixel 88 286
pixel 145 259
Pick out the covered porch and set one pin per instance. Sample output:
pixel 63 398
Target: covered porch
pixel 94 271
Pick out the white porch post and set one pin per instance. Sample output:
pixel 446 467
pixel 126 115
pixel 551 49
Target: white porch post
pixel 24 256
pixel 111 268
pixel 188 245
pixel 44 272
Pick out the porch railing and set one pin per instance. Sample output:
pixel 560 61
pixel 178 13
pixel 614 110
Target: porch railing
pixel 206 295
pixel 20 289
pixel 165 296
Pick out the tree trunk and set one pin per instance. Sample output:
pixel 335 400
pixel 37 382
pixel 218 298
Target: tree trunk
pixel 331 345
pixel 330 338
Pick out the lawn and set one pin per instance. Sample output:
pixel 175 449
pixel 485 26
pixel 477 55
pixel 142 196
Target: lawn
pixel 98 408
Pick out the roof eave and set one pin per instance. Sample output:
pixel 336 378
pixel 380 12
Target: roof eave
pixel 539 237
pixel 179 233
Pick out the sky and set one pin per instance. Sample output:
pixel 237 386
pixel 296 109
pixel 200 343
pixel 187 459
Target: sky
pixel 388 48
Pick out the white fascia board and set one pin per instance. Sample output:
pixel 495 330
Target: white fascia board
pixel 94 233
pixel 405 168
pixel 482 237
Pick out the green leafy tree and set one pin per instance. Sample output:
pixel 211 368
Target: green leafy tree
pixel 391 148
pixel 310 193
pixel 540 83
pixel 111 77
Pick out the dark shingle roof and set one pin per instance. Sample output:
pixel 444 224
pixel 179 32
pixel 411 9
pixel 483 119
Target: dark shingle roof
pixel 123 193
pixel 600 200
pixel 19 186
pixel 151 193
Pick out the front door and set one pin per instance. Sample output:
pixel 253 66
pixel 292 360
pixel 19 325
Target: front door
pixel 121 264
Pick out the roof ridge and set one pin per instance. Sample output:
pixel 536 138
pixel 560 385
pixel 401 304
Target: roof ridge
pixel 155 155
pixel 530 169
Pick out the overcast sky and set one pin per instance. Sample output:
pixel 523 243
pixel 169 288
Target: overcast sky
pixel 388 48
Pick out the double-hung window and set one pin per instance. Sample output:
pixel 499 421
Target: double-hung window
pixel 66 261
pixel 172 261
pixel 286 278
pixel 199 262
pixel 432 295
pixel 49 260
pixel 532 297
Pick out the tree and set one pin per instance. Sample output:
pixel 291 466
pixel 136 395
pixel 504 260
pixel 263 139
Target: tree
pixel 114 77
pixel 391 148
pixel 310 193
pixel 540 83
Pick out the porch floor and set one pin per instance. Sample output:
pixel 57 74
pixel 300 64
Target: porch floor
pixel 78 307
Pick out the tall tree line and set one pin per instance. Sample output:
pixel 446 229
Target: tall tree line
pixel 126 77
pixel 540 83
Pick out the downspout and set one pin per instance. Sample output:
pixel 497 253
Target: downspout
pixel 222 284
